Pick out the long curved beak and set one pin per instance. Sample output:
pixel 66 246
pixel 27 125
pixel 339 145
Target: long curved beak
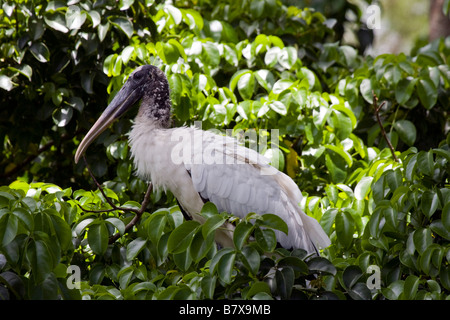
pixel 124 100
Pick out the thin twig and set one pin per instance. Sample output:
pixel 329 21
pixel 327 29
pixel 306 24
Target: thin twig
pixel 102 191
pixel 138 212
pixel 383 132
pixel 138 215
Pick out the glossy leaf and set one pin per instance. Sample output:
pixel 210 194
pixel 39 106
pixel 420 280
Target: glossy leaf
pixel 406 131
pixel 181 237
pixel 241 233
pixel 345 227
pixel 134 247
pixel 266 239
pixel 98 236
pixel 285 282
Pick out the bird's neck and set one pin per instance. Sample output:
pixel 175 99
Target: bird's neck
pixel 155 112
pixel 149 122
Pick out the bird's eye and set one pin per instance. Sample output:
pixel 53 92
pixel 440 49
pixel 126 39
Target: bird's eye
pixel 139 75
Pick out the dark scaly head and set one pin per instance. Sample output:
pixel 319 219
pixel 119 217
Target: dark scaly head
pixel 148 84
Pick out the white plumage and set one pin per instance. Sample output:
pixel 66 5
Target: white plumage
pixel 198 165
pixel 232 178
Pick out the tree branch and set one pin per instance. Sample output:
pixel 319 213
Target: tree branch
pixel 138 212
pixel 380 123
pixel 138 215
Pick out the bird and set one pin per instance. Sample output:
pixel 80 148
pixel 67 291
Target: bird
pixel 198 166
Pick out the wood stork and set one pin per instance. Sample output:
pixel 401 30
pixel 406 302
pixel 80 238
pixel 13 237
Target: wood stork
pixel 204 166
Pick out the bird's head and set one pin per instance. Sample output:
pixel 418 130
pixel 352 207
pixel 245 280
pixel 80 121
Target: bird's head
pixel 147 83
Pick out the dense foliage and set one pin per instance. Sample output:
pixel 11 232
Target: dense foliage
pixel 240 66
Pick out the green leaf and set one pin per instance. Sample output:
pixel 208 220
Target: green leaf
pixel 257 288
pixel 345 227
pixel 174 12
pixel 426 163
pixel 63 231
pixel 266 239
pixel 181 238
pixel 46 290
pixel 422 239
pixel 182 260
pixel 363 188
pixel 438 227
pixel 285 282
pixel 241 233
pixel 210 54
pixel 265 78
pixel 275 222
pixel 281 85
pixel 411 167
pixel 9 224
pixel 429 203
pixel 344 154
pixel 12 281
pixel 287 57
pixel 327 220
pixel 40 52
pixel 56 21
pixel 321 264
pixel 75 18
pixel 124 276
pixel 123 24
pixel 134 247
pixel 406 131
pixel 427 93
pixel 62 116
pixel 374 223
pixel 76 103
pixel 251 259
pixel 446 216
pixel 393 291
pixel 211 224
pixel 404 90
pixel 225 267
pixel 82 225
pixel 351 276
pixel 278 107
pixel 410 287
pixel 366 88
pixel 40 258
pixel 26 218
pixel 208 285
pixel 6 83
pixel 246 85
pixel 215 260
pixel 445 276
pixel 200 246
pixel 360 292
pixel 298 265
pixel 155 225
pixel 117 223
pixel 209 210
pixel 194 19
pixel 424 260
pixel 98 236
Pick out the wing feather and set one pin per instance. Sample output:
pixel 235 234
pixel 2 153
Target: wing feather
pixel 237 181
